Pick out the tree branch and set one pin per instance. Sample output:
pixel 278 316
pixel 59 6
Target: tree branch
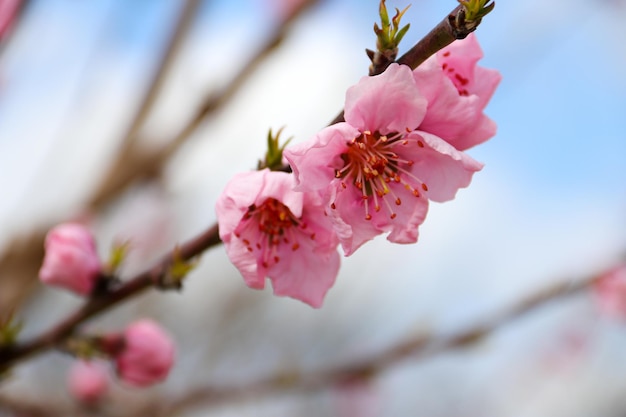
pixel 147 164
pixel 416 348
pixel 130 150
pixel 9 355
pixel 452 27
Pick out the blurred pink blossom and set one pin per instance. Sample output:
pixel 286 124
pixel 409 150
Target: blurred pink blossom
pixel 376 170
pixel 70 259
pixel 147 354
pixel 284 9
pixel 457 91
pixel 8 12
pixel 356 398
pixel 610 292
pixel 269 230
pixel 88 381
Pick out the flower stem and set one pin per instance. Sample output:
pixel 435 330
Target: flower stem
pixel 453 27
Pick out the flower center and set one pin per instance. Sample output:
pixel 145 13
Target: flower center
pixel 373 163
pixel 266 227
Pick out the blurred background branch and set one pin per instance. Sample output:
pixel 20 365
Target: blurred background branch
pixel 417 348
pixel 420 347
pixel 133 163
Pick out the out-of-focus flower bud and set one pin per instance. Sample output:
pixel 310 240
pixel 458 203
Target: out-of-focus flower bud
pixel 88 381
pixel 71 260
pixel 147 355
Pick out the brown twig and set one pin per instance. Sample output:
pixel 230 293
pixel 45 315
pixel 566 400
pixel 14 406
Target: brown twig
pixel 147 164
pixel 130 151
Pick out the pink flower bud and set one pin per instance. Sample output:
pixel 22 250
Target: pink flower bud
pixel 71 260
pixel 88 381
pixel 147 356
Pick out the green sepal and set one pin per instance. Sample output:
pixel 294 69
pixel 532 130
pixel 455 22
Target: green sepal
pixel 274 155
pixel 384 16
pixel 401 33
pixel 476 9
pixel 389 34
pixel 119 252
pixel 177 271
pixel 10 329
pixel 83 347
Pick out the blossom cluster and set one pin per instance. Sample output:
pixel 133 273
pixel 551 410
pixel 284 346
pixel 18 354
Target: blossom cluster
pixel 142 354
pixel 401 145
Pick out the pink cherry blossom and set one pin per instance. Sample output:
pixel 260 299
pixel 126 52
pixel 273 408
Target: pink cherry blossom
pixel 269 230
pixel 376 171
pixel 610 292
pixel 147 354
pixel 88 381
pixel 457 91
pixel 70 259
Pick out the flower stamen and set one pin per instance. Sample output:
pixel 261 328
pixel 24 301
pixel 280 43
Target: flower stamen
pixel 275 225
pixel 371 164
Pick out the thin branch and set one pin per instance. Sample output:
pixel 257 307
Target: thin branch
pixel 147 164
pixel 130 149
pixel 416 348
pixel 155 276
pixel 453 27
pixel 19 407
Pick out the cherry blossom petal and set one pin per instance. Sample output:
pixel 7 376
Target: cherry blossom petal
pixel 306 275
pixel 389 102
pixel 353 229
pixel 283 235
pixel 313 162
pixel 457 92
pixel 247 189
pixel 441 167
